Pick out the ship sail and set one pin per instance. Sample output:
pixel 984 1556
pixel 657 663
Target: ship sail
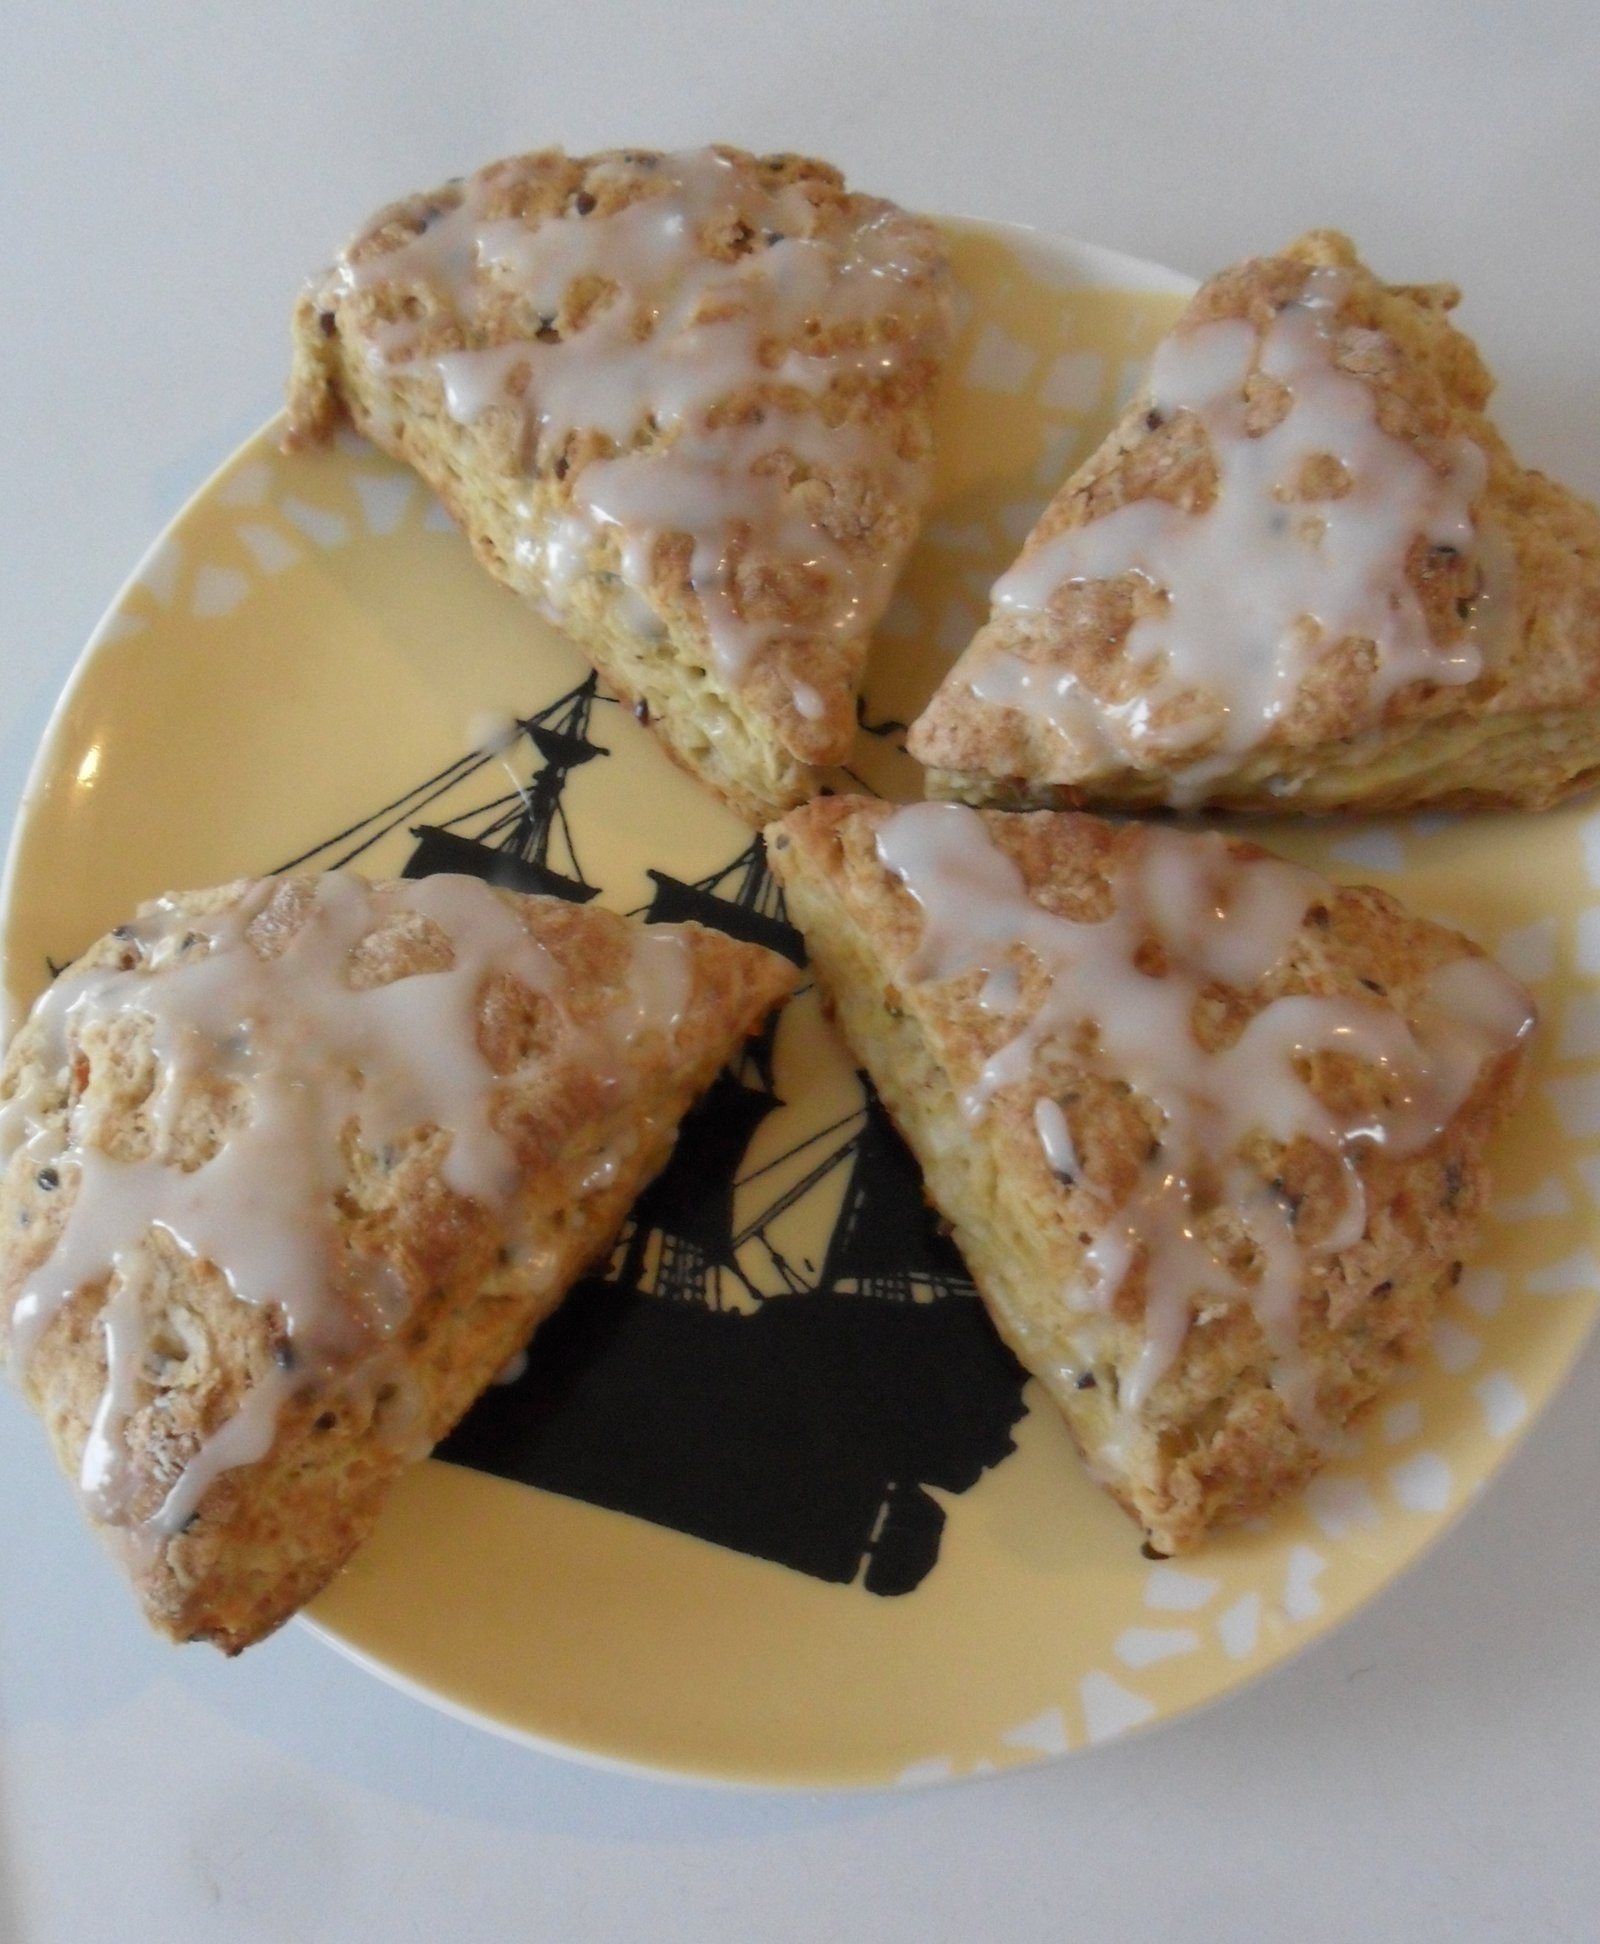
pixel 743 900
pixel 887 1241
pixel 688 1209
pixel 752 910
pixel 514 834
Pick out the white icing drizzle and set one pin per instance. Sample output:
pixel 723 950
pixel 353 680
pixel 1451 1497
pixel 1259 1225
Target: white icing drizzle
pixel 243 1439
pixel 1216 920
pixel 1001 992
pixel 514 1370
pixel 1055 1137
pixel 102 1474
pixel 1053 695
pixel 660 979
pixel 1261 582
pixel 680 336
pixel 316 1059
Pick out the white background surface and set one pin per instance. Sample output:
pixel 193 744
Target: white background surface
pixel 168 173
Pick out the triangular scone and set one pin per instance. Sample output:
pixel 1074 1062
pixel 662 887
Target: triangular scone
pixel 295 1167
pixel 681 402
pixel 1209 1131
pixel 1302 573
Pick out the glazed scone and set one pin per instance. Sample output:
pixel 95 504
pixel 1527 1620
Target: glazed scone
pixel 294 1167
pixel 1303 573
pixel 1209 1132
pixel 683 403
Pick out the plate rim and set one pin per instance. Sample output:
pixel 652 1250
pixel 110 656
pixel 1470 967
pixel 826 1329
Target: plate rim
pixel 1067 262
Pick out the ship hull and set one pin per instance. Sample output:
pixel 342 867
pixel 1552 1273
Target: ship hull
pixel 804 1431
pixel 447 850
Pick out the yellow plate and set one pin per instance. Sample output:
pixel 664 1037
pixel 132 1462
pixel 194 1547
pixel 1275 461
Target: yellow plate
pixel 782 1359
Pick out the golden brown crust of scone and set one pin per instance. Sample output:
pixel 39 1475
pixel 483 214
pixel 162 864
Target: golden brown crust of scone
pixel 1215 1441
pixel 267 1536
pixel 750 739
pixel 1524 734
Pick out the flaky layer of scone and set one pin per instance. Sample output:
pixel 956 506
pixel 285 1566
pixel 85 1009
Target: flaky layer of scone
pixel 681 402
pixel 1209 1131
pixel 295 1167
pixel 1307 574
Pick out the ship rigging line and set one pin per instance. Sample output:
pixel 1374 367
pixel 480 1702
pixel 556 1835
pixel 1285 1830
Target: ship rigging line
pixel 498 824
pixel 418 797
pixel 524 810
pixel 787 1200
pixel 755 1174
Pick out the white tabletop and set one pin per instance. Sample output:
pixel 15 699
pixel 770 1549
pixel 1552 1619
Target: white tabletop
pixel 169 173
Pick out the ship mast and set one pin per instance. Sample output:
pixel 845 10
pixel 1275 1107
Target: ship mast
pixel 508 841
pixel 742 899
pixel 680 1243
pixel 887 1241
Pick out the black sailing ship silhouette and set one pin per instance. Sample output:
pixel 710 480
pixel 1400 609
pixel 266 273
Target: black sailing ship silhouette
pixel 801 1423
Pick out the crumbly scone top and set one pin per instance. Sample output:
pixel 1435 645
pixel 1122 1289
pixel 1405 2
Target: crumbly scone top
pixel 698 344
pixel 268 1031
pixel 1161 975
pixel 1286 535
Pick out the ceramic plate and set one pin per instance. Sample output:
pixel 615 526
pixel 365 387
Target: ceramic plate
pixel 771 1503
